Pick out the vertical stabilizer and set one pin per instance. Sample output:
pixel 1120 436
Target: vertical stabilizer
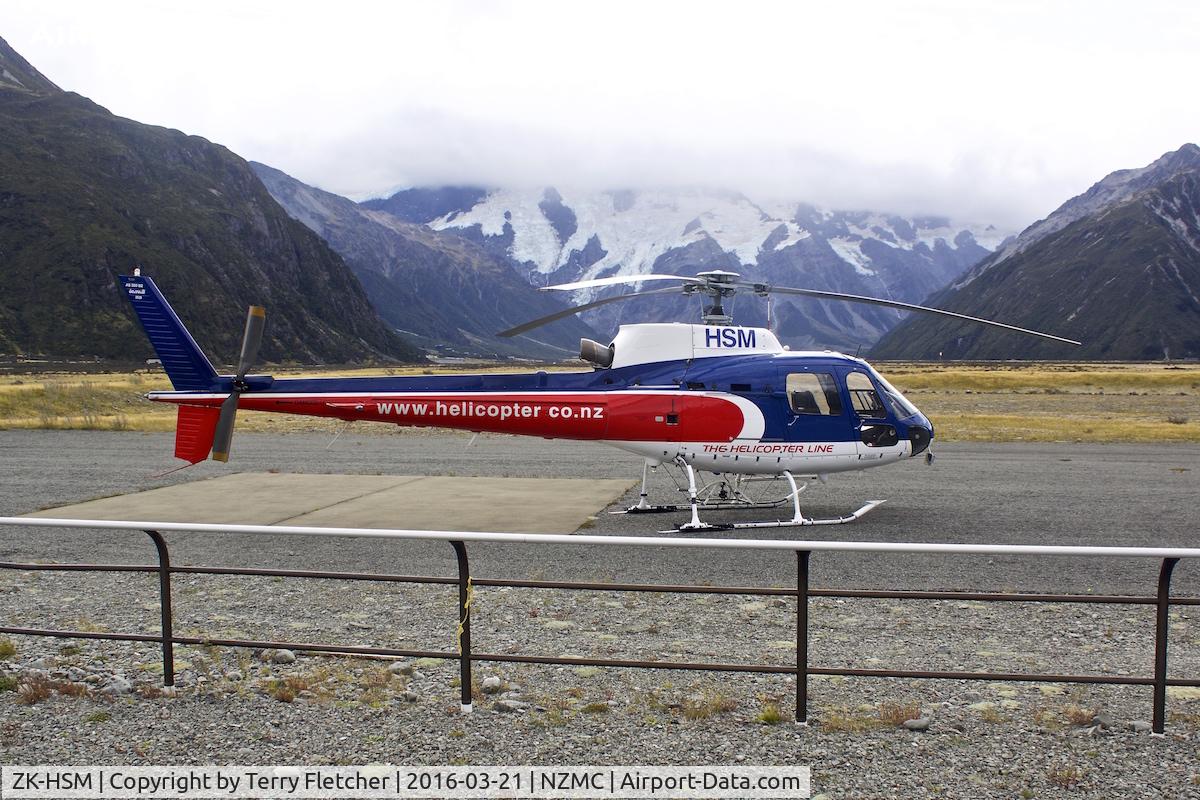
pixel 185 363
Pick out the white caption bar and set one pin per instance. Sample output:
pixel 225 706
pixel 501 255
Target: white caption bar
pixel 204 782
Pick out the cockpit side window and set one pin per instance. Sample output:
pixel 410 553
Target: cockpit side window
pixel 813 393
pixel 863 396
pixel 899 403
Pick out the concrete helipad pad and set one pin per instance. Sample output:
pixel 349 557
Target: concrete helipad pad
pixel 519 505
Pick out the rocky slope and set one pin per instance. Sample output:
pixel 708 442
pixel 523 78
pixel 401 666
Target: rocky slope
pixel 86 196
pixel 447 292
pixel 1117 267
pixel 558 236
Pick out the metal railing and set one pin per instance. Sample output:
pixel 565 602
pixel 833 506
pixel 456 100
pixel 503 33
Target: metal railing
pixel 465 655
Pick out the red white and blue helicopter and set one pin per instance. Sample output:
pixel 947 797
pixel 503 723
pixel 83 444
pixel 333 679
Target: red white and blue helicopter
pixel 710 398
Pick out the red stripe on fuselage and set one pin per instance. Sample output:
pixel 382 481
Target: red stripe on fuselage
pixel 619 416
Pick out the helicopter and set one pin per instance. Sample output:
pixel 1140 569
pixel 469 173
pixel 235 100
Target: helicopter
pixel 727 402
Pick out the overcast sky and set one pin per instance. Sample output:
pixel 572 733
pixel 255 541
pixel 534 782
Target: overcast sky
pixel 993 113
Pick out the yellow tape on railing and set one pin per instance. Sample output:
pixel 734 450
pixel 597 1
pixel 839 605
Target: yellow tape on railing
pixel 466 612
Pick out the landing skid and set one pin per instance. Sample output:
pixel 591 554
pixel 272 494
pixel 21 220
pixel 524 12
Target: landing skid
pixel 731 498
pixel 725 494
pixel 789 523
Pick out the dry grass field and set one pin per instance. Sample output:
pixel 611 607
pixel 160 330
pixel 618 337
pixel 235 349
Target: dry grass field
pixel 1043 402
pixel 1021 402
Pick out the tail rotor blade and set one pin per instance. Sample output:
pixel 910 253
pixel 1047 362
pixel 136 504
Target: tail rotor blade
pixel 224 432
pixel 256 319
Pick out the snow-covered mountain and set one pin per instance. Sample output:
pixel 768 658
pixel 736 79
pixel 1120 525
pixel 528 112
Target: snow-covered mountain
pixel 445 293
pixel 554 236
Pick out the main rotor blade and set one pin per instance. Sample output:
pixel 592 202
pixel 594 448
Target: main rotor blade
pixel 616 279
pixel 854 298
pixel 224 433
pixel 256 318
pixel 540 321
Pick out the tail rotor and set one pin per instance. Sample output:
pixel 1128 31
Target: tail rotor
pixel 256 319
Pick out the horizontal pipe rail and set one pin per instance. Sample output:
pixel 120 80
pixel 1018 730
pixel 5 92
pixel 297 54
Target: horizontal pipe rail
pixel 586 661
pixel 618 541
pixel 600 586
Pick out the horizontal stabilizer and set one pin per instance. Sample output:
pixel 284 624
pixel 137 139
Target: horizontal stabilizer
pixel 194 432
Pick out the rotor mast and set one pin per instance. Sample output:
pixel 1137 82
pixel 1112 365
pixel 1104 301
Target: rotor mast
pixel 718 284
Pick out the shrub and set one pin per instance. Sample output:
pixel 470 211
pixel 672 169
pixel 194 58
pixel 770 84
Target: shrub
pixel 1065 776
pixel 1078 715
pixel 69 689
pixel 898 713
pixel 770 714
pixel 711 703
pixel 842 721
pixel 33 690
pixel 285 689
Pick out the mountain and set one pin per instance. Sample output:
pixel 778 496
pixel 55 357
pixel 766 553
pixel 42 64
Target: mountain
pixel 448 292
pixel 1117 267
pixel 555 236
pixel 86 196
pixel 18 74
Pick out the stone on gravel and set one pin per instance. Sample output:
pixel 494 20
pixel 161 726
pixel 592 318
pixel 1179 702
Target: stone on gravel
pixel 117 685
pixel 1139 726
pixel 401 668
pixel 278 656
pixel 234 675
pixel 490 685
pixel 921 724
pixel 510 706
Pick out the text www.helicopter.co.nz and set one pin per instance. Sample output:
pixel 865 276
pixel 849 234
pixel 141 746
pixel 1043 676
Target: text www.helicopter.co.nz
pixel 501 411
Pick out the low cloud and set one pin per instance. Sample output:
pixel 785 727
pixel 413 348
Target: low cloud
pixel 988 113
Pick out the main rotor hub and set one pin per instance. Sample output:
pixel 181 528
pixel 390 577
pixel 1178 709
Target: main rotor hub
pixel 717 284
pixel 718 276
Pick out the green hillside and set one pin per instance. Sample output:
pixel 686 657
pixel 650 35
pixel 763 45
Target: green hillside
pixel 86 196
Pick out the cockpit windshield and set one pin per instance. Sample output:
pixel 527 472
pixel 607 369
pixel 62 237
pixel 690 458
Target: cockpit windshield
pixel 900 405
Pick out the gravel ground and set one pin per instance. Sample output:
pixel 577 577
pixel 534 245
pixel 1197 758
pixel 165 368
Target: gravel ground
pixel 984 739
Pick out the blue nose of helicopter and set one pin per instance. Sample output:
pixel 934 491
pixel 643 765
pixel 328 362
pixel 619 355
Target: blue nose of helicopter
pixel 920 433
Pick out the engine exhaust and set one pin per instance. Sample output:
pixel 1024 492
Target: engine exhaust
pixel 595 353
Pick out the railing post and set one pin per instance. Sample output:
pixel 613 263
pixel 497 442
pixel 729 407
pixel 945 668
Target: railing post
pixel 802 636
pixel 1160 645
pixel 464 625
pixel 164 601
